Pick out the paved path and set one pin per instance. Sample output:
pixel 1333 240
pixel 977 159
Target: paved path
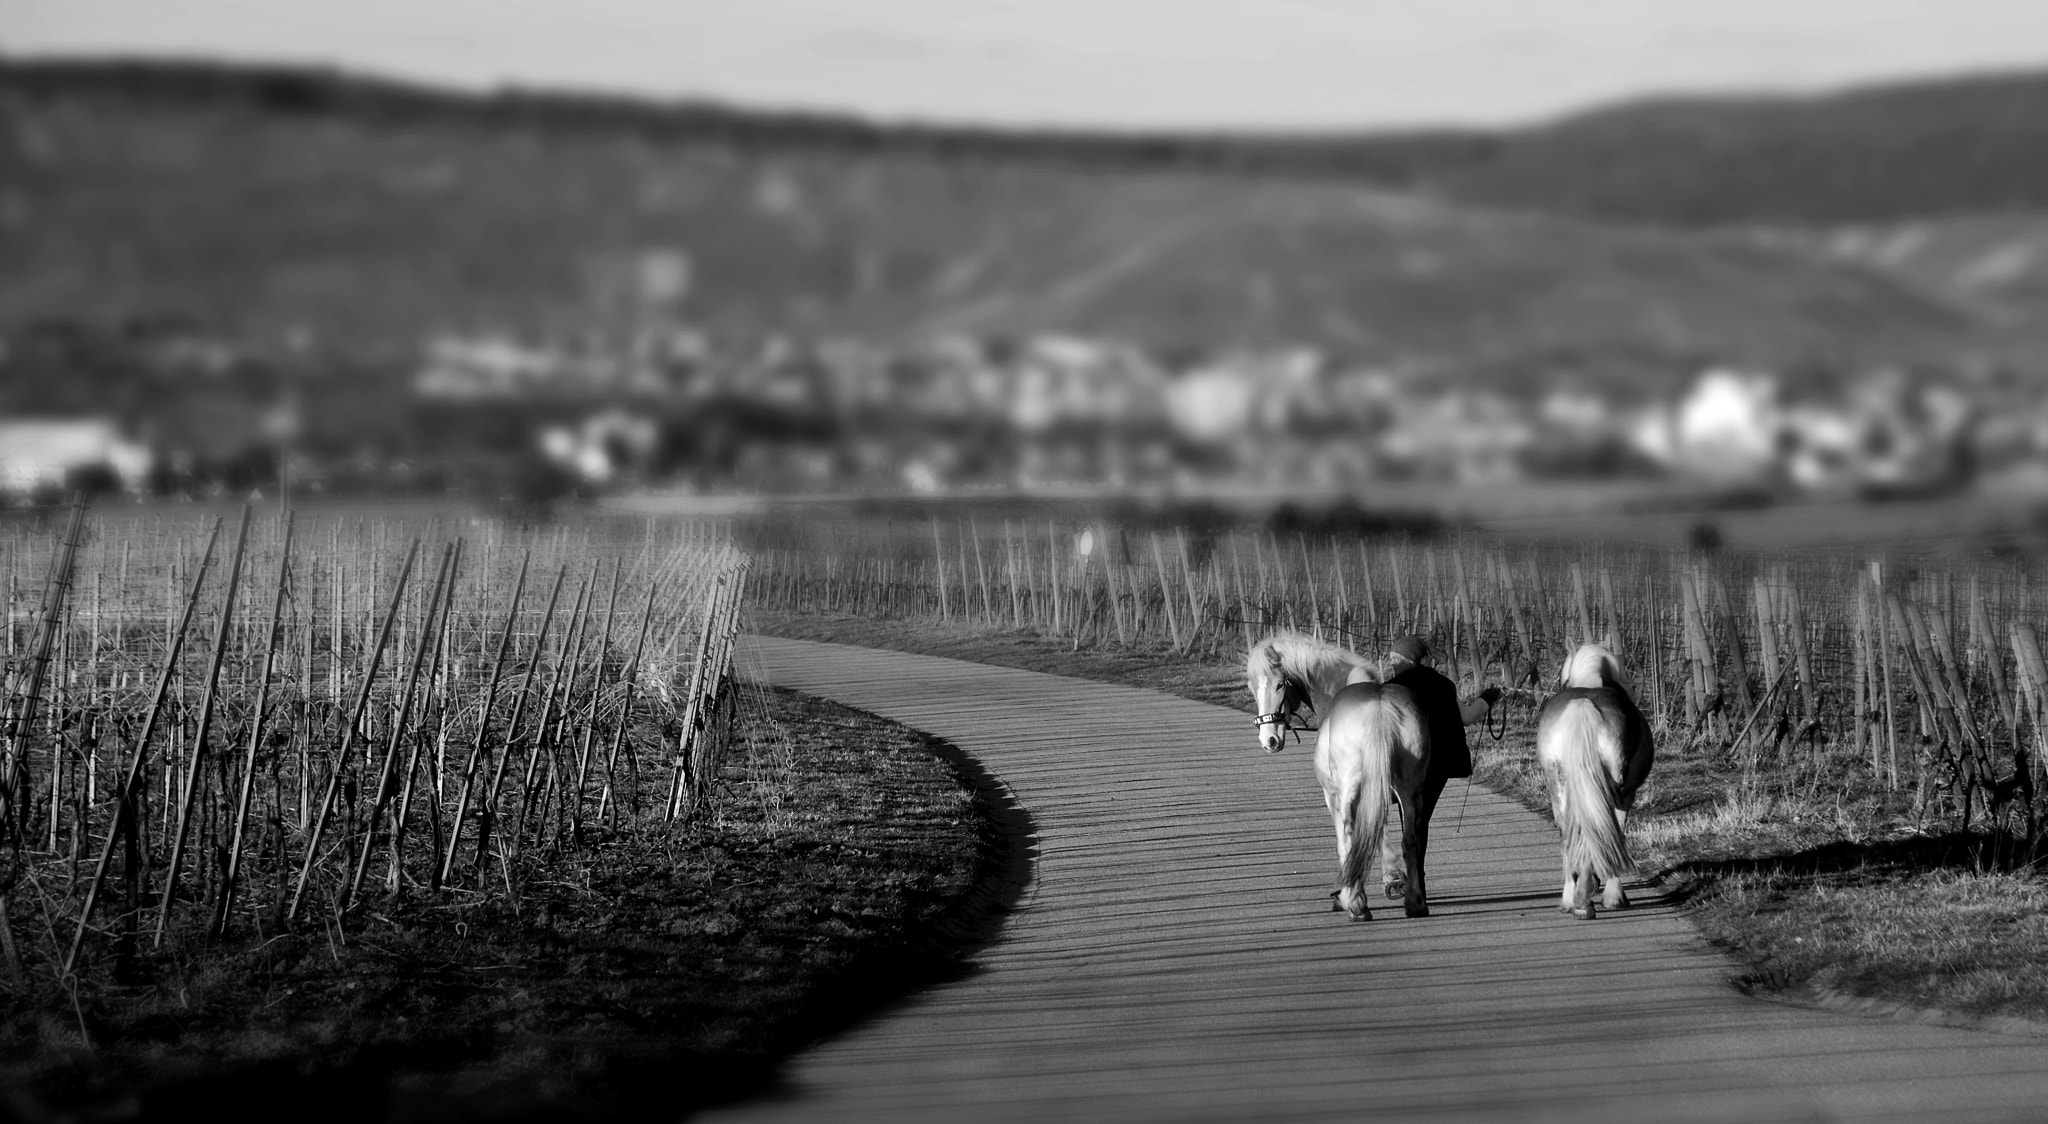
pixel 1175 958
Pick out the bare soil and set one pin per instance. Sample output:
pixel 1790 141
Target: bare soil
pixel 844 861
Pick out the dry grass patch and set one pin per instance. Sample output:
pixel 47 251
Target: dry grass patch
pixel 1975 944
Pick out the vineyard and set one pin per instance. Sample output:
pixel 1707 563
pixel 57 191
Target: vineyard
pixel 1922 685
pixel 248 724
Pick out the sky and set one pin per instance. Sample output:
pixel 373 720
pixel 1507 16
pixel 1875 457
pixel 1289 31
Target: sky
pixel 1231 64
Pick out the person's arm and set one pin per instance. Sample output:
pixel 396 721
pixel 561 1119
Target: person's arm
pixel 1480 707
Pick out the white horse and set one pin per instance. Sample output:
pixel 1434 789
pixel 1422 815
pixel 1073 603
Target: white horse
pixel 1595 750
pixel 1372 745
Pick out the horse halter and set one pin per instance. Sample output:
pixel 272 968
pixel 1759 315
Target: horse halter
pixel 1287 717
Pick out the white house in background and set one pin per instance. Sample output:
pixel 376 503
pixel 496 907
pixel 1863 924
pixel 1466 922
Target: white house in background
pixel 1211 405
pixel 40 453
pixel 1727 428
pixel 602 445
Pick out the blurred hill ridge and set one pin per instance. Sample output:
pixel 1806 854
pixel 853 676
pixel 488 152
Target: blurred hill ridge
pixel 1890 224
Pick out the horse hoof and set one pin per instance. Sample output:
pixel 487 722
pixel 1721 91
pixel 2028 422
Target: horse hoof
pixel 1395 890
pixel 1417 910
pixel 1585 914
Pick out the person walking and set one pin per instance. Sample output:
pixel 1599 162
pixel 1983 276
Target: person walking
pixel 1446 716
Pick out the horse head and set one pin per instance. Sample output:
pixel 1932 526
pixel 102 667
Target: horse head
pixel 1277 694
pixel 1592 666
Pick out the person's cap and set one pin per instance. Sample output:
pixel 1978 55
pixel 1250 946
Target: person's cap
pixel 1409 648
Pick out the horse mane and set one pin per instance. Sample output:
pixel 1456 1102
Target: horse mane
pixel 1593 666
pixel 1321 665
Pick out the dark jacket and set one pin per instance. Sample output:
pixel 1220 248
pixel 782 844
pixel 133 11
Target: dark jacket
pixel 1449 756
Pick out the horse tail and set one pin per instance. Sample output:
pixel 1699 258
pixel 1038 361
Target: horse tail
pixel 1582 743
pixel 1380 730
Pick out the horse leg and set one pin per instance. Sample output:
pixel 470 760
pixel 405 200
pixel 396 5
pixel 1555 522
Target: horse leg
pixel 1582 892
pixel 1555 778
pixel 1393 855
pixel 1337 821
pixel 1612 895
pixel 1351 897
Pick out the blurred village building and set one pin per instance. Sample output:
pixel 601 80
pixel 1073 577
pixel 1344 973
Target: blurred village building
pixel 667 404
pixel 1059 409
pixel 38 456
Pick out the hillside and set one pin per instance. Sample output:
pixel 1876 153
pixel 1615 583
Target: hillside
pixel 1996 263
pixel 1909 150
pixel 373 214
pixel 1902 149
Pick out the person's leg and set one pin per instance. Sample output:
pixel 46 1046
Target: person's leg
pixel 1417 897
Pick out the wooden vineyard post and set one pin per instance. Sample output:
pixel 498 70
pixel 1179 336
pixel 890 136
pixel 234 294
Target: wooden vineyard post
pixel 1342 611
pixel 589 726
pixel 680 784
pixel 1052 573
pixel 1738 662
pixel 1308 573
pixel 988 613
pixel 382 792
pixel 487 810
pixel 14 814
pixel 1706 676
pixel 126 818
pixel 1930 724
pixel 1259 559
pixel 960 547
pixel 1586 634
pixel 443 868
pixel 1802 653
pixel 1165 593
pixel 1244 614
pixel 195 776
pixel 1109 584
pixel 1861 646
pixel 1766 628
pixel 1468 612
pixel 2032 673
pixel 1429 591
pixel 1372 607
pixel 1187 574
pixel 1973 748
pixel 348 737
pixel 1983 641
pixel 1403 622
pixel 1506 576
pixel 554 707
pixel 1653 659
pixel 1031 598
pixel 939 557
pixel 1010 576
pixel 1613 636
pixel 1884 666
pixel 605 801
pixel 1540 602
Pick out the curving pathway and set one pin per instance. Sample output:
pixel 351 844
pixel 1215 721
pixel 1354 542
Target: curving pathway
pixel 1174 957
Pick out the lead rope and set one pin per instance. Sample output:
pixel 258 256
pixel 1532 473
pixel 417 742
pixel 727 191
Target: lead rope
pixel 1486 723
